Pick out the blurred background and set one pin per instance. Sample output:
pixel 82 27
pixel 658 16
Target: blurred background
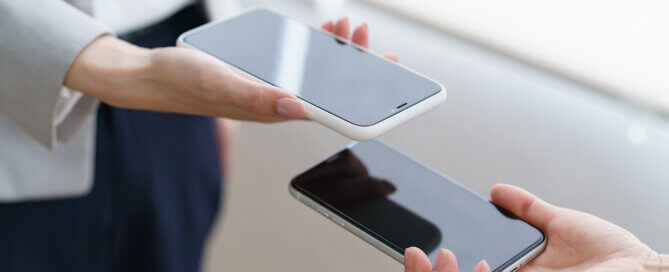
pixel 567 99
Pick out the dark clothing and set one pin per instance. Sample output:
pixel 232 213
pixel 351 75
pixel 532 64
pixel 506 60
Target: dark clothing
pixel 155 195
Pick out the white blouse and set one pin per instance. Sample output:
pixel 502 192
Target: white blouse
pixel 51 155
pixel 126 15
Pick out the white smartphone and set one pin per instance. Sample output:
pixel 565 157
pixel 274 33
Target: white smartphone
pixel 345 87
pixel 393 202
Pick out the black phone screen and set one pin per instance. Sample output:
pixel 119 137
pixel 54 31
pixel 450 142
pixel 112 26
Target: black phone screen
pixel 335 76
pixel 402 203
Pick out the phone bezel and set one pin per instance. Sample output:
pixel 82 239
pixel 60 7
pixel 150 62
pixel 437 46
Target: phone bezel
pixel 328 119
pixel 389 249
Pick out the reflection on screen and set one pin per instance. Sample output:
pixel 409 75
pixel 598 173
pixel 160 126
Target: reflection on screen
pixel 338 77
pixel 404 204
pixel 345 184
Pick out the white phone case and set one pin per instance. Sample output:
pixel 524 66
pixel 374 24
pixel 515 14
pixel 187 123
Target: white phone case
pixel 352 131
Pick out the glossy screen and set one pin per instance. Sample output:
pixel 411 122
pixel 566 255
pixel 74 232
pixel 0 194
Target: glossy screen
pixel 350 83
pixel 402 203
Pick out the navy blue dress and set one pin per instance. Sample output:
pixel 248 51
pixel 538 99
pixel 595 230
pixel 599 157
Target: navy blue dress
pixel 155 195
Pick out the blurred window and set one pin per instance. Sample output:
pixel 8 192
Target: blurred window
pixel 619 47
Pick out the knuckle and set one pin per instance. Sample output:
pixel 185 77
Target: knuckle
pixel 256 102
pixel 526 206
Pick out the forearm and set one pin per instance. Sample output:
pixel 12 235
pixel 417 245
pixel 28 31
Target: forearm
pixel 108 69
pixel 175 80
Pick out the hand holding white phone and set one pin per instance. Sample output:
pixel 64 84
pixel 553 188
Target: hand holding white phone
pixel 183 81
pixel 343 86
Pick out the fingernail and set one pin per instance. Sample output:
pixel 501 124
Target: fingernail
pixel 289 107
pixel 364 26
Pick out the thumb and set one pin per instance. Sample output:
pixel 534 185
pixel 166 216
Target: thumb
pixel 524 205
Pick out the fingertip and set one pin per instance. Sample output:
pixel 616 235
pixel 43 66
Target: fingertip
pixel 440 263
pixel 451 261
pixel 361 35
pixel 501 194
pixel 328 26
pixel 410 252
pixel 496 190
pixel 446 261
pixel 416 261
pixel 343 21
pixel 363 28
pixel 523 204
pixel 392 56
pixel 342 28
pixel 482 266
pixel 409 259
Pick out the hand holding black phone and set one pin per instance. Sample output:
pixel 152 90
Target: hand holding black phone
pixel 394 202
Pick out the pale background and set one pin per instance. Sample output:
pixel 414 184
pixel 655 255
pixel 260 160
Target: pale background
pixel 504 121
pixel 619 47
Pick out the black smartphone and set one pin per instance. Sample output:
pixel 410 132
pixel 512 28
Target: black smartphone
pixel 394 202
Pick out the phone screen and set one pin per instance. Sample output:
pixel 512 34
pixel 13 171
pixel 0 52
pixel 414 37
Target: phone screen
pixel 402 203
pixel 335 76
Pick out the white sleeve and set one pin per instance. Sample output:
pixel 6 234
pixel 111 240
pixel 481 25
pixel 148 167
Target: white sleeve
pixel 39 41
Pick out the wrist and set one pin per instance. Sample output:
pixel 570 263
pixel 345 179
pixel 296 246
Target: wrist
pixel 108 69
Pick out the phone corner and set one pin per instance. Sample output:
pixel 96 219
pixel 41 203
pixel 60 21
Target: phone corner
pixel 442 94
pixel 180 40
pixel 293 192
pixel 364 134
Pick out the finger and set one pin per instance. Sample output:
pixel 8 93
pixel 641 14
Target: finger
pixel 263 100
pixel 242 114
pixel 290 107
pixel 361 35
pixel 446 262
pixel 343 28
pixel 482 267
pixel 416 261
pixel 328 26
pixel 523 204
pixel 392 56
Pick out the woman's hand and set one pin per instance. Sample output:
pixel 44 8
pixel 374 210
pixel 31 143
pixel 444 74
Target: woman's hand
pixel 577 241
pixel 175 80
pixel 184 80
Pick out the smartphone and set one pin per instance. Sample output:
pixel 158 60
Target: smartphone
pixel 345 87
pixel 394 202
